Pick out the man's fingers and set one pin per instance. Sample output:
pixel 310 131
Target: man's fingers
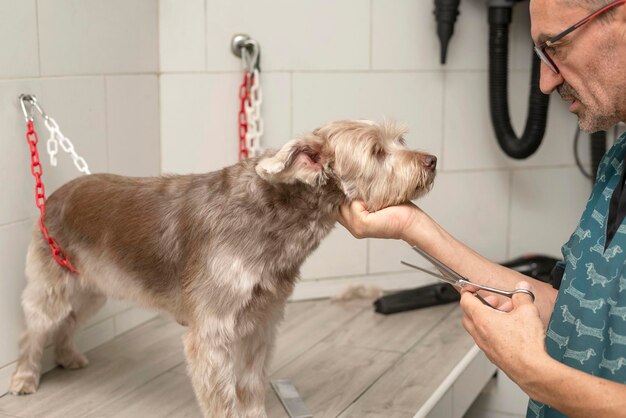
pixel 344 214
pixel 469 303
pixel 499 302
pixel 358 209
pixel 352 217
pixel 506 306
pixel 493 300
pixel 522 298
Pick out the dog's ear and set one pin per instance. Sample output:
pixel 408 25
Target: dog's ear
pixel 299 160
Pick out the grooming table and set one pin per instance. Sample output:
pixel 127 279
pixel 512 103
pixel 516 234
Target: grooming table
pixel 414 364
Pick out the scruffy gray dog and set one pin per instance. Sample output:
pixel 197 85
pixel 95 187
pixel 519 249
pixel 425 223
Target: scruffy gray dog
pixel 221 251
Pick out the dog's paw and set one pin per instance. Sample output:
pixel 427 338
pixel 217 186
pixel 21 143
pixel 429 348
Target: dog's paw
pixel 23 384
pixel 71 360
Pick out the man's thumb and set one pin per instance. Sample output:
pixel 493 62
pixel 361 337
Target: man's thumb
pixel 520 298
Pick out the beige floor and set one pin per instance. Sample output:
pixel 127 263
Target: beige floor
pixel 344 359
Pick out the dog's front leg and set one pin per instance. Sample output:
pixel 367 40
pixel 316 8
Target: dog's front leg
pixel 210 365
pixel 252 363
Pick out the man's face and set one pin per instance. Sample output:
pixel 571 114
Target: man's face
pixel 591 60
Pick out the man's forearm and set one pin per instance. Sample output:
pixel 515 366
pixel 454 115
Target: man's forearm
pixel 435 240
pixel 574 393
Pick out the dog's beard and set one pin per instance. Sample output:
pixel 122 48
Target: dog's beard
pixel 390 193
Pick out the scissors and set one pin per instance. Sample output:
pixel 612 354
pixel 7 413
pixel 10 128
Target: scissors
pixel 455 279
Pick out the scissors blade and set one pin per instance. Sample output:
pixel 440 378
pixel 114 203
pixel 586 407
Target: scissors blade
pixel 463 281
pixel 439 276
pixel 444 269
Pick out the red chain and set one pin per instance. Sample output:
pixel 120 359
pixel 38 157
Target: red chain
pixel 244 96
pixel 40 197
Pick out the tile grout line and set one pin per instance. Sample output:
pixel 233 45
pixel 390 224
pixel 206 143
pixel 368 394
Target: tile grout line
pixel 128 330
pixel 3 414
pixel 86 75
pixel 509 215
pixel 394 364
pixel 13 223
pixel 321 339
pixel 371 40
pixel 275 71
pixel 103 405
pixel 206 36
pixel 443 119
pixel 443 318
pixel 368 253
pixel 158 36
pixel 291 107
pixel 38 38
pixel 107 140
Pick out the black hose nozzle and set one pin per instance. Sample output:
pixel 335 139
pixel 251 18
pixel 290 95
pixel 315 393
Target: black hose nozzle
pixel 511 144
pixel 446 12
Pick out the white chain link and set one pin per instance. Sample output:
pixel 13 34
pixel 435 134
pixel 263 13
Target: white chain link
pixel 56 138
pixel 52 144
pixel 253 115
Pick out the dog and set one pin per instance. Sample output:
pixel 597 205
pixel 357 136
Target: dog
pixel 220 251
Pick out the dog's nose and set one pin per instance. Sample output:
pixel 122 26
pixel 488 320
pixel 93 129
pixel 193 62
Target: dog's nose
pixel 429 161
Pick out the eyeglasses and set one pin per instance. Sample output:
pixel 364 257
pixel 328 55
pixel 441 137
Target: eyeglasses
pixel 541 49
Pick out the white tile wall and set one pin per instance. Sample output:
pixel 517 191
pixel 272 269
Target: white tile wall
pixel 133 128
pixel 521 47
pixel 182 36
pixel 18 26
pixel 199 119
pixel 198 122
pixel 404 37
pixel 339 255
pixel 96 36
pixel 500 398
pixel 304 35
pixel 543 218
pixel 406 26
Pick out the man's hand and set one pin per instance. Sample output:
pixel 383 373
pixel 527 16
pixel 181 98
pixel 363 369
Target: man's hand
pixel 511 340
pixel 391 222
pixel 501 303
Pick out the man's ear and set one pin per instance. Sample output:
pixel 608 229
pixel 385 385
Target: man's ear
pixel 300 160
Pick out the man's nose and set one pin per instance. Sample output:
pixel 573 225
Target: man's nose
pixel 549 80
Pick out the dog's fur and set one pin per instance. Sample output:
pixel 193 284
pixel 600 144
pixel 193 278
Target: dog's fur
pixel 219 251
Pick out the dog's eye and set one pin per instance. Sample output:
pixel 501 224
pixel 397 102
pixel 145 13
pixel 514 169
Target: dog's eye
pixel 401 140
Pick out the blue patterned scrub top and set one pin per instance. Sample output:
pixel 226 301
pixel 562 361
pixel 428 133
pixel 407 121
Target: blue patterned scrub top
pixel 587 329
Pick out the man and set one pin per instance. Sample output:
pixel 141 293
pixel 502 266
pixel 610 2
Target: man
pixel 567 350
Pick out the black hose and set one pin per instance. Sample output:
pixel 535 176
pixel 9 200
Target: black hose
pixel 446 12
pixel 514 147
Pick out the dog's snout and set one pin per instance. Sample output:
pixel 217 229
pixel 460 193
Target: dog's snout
pixel 429 161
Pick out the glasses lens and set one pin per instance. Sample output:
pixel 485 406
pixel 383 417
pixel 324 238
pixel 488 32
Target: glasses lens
pixel 546 59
